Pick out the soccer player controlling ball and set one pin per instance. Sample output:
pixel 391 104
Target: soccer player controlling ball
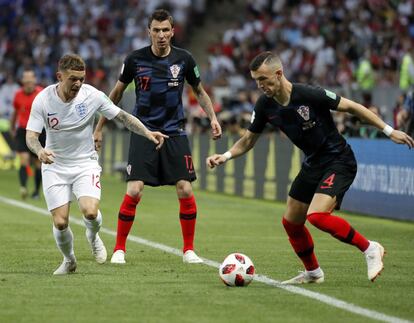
pixel 69 161
pixel 302 112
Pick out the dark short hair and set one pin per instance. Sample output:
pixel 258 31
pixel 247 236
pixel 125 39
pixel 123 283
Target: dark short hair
pixel 71 62
pixel 160 15
pixel 263 58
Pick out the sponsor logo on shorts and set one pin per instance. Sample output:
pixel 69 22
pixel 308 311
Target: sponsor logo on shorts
pixel 128 169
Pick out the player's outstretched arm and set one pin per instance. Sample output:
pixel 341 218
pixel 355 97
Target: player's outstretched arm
pixel 115 96
pixel 46 156
pixel 133 124
pixel 205 103
pixel 363 113
pixel 243 145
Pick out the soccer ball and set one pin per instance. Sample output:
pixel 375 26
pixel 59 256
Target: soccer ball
pixel 237 270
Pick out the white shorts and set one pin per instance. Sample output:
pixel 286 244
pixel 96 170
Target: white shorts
pixel 59 182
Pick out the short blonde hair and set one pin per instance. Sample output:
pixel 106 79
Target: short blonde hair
pixel 71 62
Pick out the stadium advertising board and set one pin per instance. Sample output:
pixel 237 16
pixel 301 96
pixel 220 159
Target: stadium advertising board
pixel 384 185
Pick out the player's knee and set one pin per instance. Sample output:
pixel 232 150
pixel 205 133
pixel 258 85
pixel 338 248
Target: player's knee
pixel 89 211
pixel 134 189
pixel 184 189
pixel 90 214
pixel 60 223
pixel 293 218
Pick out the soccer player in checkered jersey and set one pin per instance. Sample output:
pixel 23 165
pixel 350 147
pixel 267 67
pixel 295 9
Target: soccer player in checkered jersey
pixel 69 161
pixel 159 72
pixel 302 112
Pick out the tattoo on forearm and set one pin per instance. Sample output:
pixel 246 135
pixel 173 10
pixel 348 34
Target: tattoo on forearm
pixel 131 123
pixel 33 144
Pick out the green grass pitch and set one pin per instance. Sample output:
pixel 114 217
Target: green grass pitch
pixel 155 286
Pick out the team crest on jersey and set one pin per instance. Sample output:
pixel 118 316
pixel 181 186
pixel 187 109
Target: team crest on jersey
pixel 175 70
pixel 303 111
pixel 81 109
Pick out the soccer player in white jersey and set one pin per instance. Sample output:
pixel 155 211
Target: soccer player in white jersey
pixel 69 160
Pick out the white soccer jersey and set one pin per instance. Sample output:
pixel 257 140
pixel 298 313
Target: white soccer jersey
pixel 69 125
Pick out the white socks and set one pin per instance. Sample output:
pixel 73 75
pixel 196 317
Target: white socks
pixel 64 242
pixel 93 226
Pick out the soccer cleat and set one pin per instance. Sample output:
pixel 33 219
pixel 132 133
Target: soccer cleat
pixel 306 277
pixel 35 196
pixel 373 256
pixel 67 267
pixel 190 257
pixel 98 249
pixel 23 192
pixel 118 257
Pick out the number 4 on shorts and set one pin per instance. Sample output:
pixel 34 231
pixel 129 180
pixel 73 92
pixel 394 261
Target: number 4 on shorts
pixel 329 181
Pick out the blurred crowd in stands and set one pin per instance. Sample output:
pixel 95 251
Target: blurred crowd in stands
pixel 351 45
pixel 347 45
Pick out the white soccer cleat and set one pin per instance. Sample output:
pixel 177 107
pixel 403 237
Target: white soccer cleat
pixel 118 257
pixel 67 267
pixel 305 277
pixel 190 257
pixel 373 256
pixel 98 249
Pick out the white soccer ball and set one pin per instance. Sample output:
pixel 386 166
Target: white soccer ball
pixel 237 270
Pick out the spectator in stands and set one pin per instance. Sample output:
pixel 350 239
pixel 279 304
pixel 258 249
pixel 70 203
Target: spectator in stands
pixel 159 72
pixel 365 74
pixel 302 112
pixel 22 104
pixel 407 68
pixel 7 92
pixel 406 115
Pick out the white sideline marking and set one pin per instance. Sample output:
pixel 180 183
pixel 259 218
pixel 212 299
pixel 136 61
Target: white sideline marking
pixel 260 278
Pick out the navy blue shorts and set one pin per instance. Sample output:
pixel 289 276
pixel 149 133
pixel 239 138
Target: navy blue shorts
pixel 173 162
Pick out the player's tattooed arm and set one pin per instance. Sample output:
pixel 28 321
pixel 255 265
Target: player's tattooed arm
pixel 133 124
pixel 32 141
pixel 46 156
